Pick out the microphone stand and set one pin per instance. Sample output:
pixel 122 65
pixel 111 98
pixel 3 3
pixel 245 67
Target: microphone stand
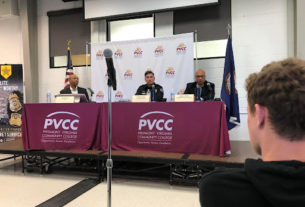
pixel 109 163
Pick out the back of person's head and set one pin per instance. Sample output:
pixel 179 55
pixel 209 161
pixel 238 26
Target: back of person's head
pixel 280 87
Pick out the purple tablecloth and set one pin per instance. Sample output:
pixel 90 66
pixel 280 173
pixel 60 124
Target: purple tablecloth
pixel 61 126
pixel 198 127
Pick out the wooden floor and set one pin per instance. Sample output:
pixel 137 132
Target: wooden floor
pixel 186 168
pixel 240 150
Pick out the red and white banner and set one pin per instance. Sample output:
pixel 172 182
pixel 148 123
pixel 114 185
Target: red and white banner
pixel 170 58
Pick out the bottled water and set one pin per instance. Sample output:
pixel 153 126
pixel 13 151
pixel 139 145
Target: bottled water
pixel 49 98
pixel 172 96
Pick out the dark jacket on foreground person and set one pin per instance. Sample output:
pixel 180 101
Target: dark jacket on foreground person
pixel 259 184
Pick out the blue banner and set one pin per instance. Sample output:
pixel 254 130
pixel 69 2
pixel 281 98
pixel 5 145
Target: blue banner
pixel 228 91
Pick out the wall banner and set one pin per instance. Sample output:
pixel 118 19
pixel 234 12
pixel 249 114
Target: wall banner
pixel 11 101
pixel 170 58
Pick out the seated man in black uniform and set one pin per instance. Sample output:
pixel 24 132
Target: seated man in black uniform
pixel 201 88
pixel 155 90
pixel 74 89
pixel 276 122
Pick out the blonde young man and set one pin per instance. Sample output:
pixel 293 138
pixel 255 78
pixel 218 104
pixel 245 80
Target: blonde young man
pixel 276 122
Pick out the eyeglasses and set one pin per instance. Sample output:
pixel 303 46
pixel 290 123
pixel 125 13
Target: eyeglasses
pixel 200 76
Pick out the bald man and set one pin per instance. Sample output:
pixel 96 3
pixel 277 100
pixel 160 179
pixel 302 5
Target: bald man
pixel 74 89
pixel 201 88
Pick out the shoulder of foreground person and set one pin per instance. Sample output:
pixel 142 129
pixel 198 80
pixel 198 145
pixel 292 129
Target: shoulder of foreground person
pixel 228 187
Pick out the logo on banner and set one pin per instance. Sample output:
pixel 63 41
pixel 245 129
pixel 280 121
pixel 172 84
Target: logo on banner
pixel 155 128
pixel 99 97
pixel 138 52
pixel 118 96
pixel 6 71
pixel 118 53
pixel 159 50
pixel 128 75
pixel 181 91
pixel 99 54
pixel 61 127
pixel 170 72
pixel 181 48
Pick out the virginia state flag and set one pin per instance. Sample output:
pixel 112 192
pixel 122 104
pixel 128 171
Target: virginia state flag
pixel 228 91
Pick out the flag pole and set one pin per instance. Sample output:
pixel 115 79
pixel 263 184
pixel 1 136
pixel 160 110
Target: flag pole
pixel 229 27
pixel 87 49
pixel 196 48
pixel 69 44
pixel 69 69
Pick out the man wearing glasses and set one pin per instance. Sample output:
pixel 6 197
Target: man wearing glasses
pixel 201 88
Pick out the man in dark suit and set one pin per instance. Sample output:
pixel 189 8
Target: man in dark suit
pixel 155 90
pixel 74 89
pixel 201 88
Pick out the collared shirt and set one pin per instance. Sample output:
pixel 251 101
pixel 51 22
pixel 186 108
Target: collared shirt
pixel 74 91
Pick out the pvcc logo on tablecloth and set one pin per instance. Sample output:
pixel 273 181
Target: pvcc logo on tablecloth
pixel 60 127
pixel 65 124
pixel 155 128
pixel 159 124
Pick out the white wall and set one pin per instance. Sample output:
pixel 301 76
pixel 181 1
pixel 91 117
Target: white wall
pixel 10 41
pixel 259 36
pixel 259 31
pixel 52 80
pixel 300 31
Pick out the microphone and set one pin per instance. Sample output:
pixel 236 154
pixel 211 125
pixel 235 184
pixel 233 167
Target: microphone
pixel 209 86
pixel 110 68
pixel 210 90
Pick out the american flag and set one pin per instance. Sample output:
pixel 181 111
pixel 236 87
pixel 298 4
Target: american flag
pixel 69 70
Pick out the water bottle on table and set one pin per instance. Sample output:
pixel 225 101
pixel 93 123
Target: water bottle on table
pixel 172 97
pixel 49 97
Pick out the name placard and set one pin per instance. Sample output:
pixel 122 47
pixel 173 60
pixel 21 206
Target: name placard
pixel 140 98
pixel 64 99
pixel 184 98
